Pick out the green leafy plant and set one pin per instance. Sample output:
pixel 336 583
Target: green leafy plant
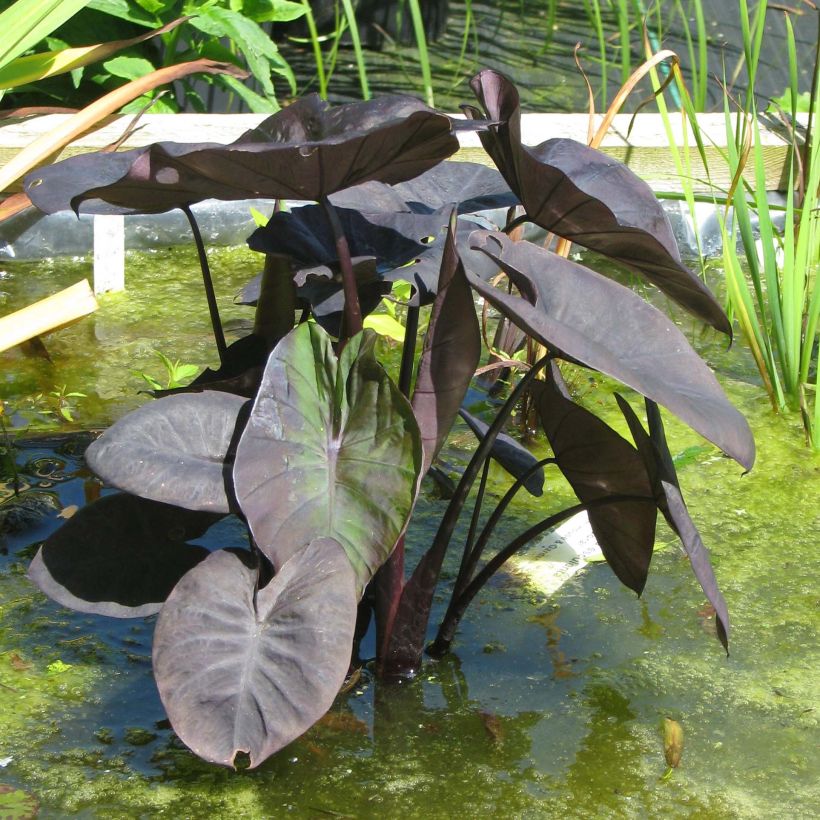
pixel 775 295
pixel 177 374
pixel 303 433
pixel 228 31
pixel 770 251
pixel 24 24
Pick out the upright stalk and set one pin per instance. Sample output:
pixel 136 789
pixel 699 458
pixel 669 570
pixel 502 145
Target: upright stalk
pixel 389 580
pixel 276 305
pixel 353 313
pixel 317 50
pixel 207 281
pixel 402 649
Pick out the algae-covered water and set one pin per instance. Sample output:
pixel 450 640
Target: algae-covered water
pixel 549 706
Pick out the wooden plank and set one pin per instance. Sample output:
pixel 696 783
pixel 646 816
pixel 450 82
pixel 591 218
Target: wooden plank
pixel 644 148
pixel 47 315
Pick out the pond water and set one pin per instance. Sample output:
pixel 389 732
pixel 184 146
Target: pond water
pixel 549 706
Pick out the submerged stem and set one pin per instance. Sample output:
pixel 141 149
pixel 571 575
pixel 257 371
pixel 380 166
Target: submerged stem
pixel 474 555
pixel 458 605
pixel 389 580
pixel 216 324
pixel 465 570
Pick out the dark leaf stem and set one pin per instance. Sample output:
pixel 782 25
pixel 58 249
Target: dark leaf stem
pixel 515 223
pixel 389 579
pixel 353 312
pixel 219 335
pixel 458 605
pixel 408 354
pixel 481 454
pixel 473 552
pixel 464 570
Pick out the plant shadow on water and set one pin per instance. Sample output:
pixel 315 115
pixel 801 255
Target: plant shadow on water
pixel 548 706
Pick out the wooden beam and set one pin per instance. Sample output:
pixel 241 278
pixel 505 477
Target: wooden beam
pixel 49 314
pixel 644 148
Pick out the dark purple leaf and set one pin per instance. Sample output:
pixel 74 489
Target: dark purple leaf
pixel 423 272
pixel 587 197
pixel 467 186
pixel 597 462
pixel 305 151
pixel 319 279
pixel 320 288
pixel 513 456
pixel 452 347
pixel 381 243
pixel 369 198
pixel 241 670
pixel 120 556
pixel 171 450
pixel 304 234
pixel 584 316
pixel 331 449
pixel 660 467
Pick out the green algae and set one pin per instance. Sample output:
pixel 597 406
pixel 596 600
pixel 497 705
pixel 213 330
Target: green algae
pixel 548 706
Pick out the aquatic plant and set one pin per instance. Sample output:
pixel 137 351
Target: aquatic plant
pixel 778 303
pixel 303 434
pixel 233 32
pixel 770 251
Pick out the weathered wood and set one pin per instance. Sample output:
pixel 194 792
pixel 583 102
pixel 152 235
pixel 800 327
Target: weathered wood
pixel 644 148
pixel 47 315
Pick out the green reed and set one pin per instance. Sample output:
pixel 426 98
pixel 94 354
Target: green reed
pixel 771 272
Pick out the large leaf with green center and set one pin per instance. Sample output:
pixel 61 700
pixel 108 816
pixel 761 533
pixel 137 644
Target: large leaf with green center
pixel 331 449
pixel 241 669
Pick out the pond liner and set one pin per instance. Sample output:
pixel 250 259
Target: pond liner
pixel 31 235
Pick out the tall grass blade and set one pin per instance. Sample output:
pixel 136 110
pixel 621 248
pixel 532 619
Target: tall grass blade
pixel 350 16
pixel 424 57
pixel 316 47
pixel 593 10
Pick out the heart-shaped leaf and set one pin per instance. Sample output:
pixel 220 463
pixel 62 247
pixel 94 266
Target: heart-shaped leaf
pixel 246 670
pixel 452 347
pixel 584 316
pixel 513 456
pixel 171 450
pixel 597 463
pixel 587 197
pixel 661 469
pixel 120 556
pixel 331 448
